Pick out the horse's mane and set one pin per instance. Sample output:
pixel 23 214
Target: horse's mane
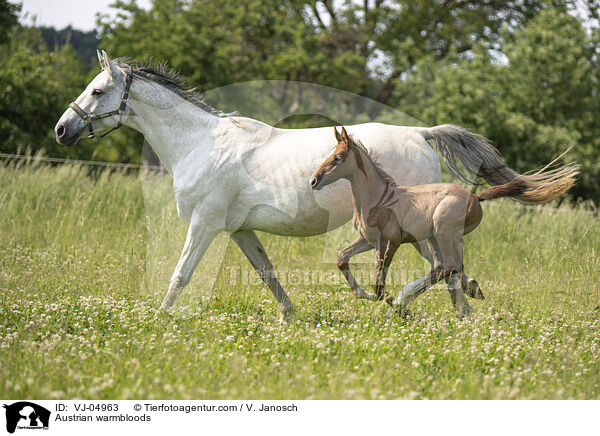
pixel 378 168
pixel 161 74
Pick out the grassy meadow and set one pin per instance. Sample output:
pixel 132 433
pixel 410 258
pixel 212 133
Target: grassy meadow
pixel 85 260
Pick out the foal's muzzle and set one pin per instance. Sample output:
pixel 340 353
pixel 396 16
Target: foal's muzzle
pixel 314 183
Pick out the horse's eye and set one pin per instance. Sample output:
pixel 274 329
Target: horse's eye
pixel 337 158
pixel 97 92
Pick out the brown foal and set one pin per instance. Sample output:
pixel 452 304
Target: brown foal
pixel 432 217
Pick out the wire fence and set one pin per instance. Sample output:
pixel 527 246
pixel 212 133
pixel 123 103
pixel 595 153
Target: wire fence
pixel 39 158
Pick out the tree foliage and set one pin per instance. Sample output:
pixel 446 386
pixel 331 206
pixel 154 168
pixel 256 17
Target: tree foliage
pixel 8 18
pixel 35 88
pixel 534 105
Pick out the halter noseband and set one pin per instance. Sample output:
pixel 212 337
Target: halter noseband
pixel 87 118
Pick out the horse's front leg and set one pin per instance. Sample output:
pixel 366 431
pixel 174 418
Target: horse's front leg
pixel 255 252
pixel 196 243
pixel 360 245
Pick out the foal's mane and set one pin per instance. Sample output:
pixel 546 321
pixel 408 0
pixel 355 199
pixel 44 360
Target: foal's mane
pixel 163 75
pixel 378 168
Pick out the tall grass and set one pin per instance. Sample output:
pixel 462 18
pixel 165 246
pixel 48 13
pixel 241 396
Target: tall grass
pixel 85 260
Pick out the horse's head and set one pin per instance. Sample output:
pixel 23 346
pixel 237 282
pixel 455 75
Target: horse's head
pixel 99 107
pixel 338 165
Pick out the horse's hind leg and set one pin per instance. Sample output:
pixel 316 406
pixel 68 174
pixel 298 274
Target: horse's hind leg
pixel 360 245
pixel 255 252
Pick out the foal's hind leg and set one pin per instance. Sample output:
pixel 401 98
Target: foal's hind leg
pixel 452 270
pixel 459 301
pixel 469 285
pixel 429 250
pixel 360 245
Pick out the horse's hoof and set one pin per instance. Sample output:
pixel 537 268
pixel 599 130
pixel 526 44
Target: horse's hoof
pixel 363 294
pixel 165 310
pixel 287 313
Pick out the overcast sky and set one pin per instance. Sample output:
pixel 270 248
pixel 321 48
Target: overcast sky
pixel 81 14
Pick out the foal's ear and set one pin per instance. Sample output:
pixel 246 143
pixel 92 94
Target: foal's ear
pixel 338 137
pixel 345 137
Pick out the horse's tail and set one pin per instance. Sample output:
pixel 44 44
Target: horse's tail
pixel 480 158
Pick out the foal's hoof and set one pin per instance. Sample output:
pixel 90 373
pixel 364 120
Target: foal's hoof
pixel 473 290
pixel 465 313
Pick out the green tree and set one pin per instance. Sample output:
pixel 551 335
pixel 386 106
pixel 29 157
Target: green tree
pixel 36 86
pixel 536 104
pixel 363 47
pixel 218 43
pixel 8 18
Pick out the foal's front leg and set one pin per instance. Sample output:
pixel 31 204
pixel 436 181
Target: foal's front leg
pixel 360 245
pixel 385 254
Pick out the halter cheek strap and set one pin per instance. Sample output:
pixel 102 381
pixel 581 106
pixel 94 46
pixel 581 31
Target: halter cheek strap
pixel 88 118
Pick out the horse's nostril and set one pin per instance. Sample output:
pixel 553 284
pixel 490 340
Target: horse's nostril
pixel 60 131
pixel 313 182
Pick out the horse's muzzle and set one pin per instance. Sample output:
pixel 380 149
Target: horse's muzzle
pixel 63 136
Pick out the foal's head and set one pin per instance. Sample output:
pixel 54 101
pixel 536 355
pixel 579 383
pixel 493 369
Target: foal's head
pixel 340 164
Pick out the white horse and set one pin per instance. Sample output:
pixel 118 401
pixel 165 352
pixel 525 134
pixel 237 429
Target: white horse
pixel 236 175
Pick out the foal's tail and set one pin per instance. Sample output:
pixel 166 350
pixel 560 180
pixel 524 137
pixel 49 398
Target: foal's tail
pixel 480 158
pixel 513 188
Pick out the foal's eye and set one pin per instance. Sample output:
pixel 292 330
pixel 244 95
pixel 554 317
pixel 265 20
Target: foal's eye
pixel 97 92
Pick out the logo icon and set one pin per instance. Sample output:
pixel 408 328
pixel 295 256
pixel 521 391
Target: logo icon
pixel 26 415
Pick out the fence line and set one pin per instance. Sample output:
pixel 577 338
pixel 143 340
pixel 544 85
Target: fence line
pixel 160 168
pixel 78 161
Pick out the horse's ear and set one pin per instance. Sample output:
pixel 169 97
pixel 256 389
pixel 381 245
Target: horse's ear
pixel 100 59
pixel 338 137
pixel 345 137
pixel 109 65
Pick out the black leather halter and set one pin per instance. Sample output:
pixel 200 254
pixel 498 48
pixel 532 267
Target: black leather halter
pixel 88 118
